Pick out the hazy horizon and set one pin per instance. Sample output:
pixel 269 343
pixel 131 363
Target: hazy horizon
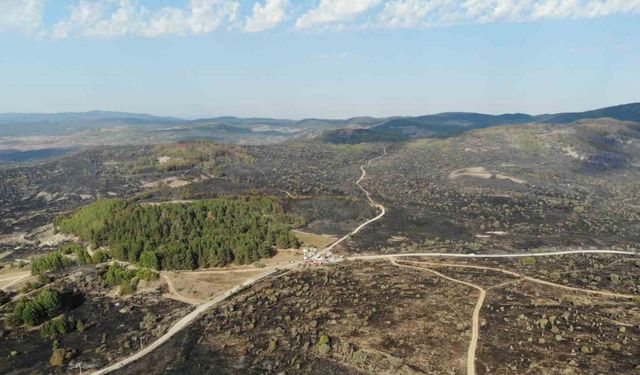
pixel 213 116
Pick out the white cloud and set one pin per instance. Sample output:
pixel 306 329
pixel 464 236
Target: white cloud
pixel 410 13
pixel 432 13
pixel 114 18
pixel 334 10
pixel 600 8
pixel 266 16
pixel 21 15
pixel 111 18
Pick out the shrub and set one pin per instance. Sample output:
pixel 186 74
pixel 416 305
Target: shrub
pixel 614 278
pixel 324 345
pixel 28 312
pixel 57 357
pixel 99 256
pixel 149 321
pixel 54 261
pixel 147 274
pixel 117 275
pixel 39 283
pixel 60 355
pixel 528 261
pixel 56 327
pixel 80 326
pixel 149 259
pixel 129 286
pixel 66 250
pixel 82 254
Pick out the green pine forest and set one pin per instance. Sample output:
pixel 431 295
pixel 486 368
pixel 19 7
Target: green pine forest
pixel 200 234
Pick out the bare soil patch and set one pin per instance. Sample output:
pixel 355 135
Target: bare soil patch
pixel 481 172
pixel 315 240
pixel 205 285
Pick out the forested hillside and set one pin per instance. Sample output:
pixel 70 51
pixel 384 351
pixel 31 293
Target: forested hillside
pixel 207 233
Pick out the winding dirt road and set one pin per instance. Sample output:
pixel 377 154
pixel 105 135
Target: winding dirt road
pixel 373 203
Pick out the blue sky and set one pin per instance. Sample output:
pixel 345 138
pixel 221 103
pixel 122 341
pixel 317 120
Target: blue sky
pixel 318 58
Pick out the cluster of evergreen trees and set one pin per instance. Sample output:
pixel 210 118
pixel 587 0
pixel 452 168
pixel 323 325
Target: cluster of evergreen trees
pixel 207 233
pixel 88 222
pixel 44 306
pixel 57 261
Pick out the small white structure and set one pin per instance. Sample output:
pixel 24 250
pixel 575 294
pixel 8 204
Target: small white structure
pixel 311 256
pixel 309 252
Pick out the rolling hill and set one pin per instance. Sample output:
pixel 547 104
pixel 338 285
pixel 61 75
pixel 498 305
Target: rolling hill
pixel 453 123
pixel 145 128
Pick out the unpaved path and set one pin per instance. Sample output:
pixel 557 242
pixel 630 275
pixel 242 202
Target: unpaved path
pixel 513 255
pixel 288 194
pixel 14 279
pixel 182 323
pixel 475 318
pixel 371 202
pixel 174 294
pixel 531 279
pixel 475 327
pixel 218 271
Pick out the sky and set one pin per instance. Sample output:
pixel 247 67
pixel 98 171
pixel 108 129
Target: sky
pixel 318 58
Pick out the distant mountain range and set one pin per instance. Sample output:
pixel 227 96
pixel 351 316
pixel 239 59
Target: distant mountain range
pixel 358 129
pixel 453 123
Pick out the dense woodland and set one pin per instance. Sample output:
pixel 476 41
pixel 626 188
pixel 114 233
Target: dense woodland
pixel 207 233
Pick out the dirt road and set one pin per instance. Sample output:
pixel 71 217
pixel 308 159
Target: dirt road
pixel 475 318
pixel 605 293
pixel 182 323
pixel 475 326
pixel 513 255
pixel 14 280
pixel 371 202
pixel 174 294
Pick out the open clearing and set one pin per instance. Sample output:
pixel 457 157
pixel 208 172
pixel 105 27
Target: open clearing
pixel 481 172
pixel 314 240
pixel 200 286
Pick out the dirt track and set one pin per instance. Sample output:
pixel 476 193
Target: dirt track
pixel 475 326
pixel 475 319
